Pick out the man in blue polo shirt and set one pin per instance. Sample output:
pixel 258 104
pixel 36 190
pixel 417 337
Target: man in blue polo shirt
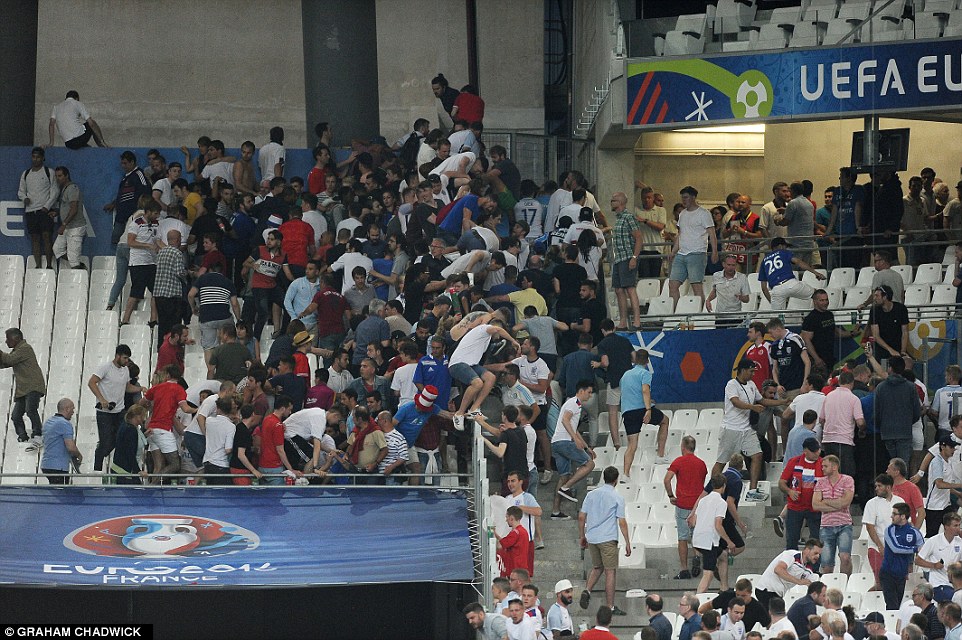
pixel 433 370
pixel 778 279
pixel 466 208
pixel 59 444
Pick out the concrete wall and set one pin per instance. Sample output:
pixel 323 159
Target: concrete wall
pixel 592 51
pixel 244 70
pixel 510 61
pixel 816 150
pixel 18 55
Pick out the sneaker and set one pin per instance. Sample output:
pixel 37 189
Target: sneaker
pixel 683 575
pixel 615 611
pixel 756 496
pixel 458 422
pixel 560 516
pixel 546 476
pixel 567 494
pixel 696 566
pixel 585 599
pixel 474 413
pixel 662 460
pixel 539 544
pixel 779 525
pixel 37 440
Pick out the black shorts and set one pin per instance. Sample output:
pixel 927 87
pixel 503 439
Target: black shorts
pixel 80 141
pixel 634 419
pixel 38 222
pixel 709 558
pixel 141 279
pixel 299 451
pixel 732 530
pixel 541 422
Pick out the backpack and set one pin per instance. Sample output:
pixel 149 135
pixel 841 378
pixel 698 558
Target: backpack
pixel 46 170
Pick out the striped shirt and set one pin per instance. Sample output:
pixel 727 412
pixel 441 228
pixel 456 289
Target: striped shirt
pixel 215 292
pixel 830 491
pixel 397 449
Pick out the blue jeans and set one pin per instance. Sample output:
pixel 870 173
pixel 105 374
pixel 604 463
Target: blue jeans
pixel 120 277
pixel 29 405
pixel 835 538
pixel 899 448
pixel 268 479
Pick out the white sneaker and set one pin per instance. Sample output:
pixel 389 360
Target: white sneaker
pixel 756 496
pixel 662 460
pixel 546 476
pixel 37 440
pixel 458 422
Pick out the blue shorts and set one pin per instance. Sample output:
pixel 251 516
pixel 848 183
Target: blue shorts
pixel 465 373
pixel 567 456
pixel 690 267
pixel 833 538
pixel 681 523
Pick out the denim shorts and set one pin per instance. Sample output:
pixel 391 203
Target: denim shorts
pixel 681 523
pixel 839 538
pixel 567 456
pixel 690 267
pixel 465 373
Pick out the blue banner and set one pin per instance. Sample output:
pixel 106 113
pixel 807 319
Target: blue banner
pixel 694 366
pixel 119 537
pixel 97 172
pixel 794 84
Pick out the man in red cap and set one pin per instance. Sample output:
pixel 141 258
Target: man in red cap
pixel 420 422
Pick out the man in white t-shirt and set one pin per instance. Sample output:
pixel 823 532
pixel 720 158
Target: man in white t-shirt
pixel 402 382
pixel 572 457
pixel 876 518
pixel 304 435
pixel 938 552
pixel 195 441
pixel 709 530
pixel 163 189
pixel 474 336
pixel 776 609
pixel 217 166
pixel 109 383
pixel 738 434
pixel 518 625
pixel 943 400
pixel 72 120
pixel 458 167
pixel 271 156
pixel 789 568
pixel 559 618
pixel 219 442
pixel 696 230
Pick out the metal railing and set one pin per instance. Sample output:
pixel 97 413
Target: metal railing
pixel 541 157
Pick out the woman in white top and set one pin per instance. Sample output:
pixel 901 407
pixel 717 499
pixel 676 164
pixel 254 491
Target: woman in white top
pixel 589 253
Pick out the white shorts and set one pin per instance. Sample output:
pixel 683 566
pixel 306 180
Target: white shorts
pixel 790 289
pixel 613 399
pixel 732 442
pixel 163 440
pixel 918 438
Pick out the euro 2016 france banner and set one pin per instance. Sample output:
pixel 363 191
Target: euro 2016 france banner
pixel 694 366
pixel 794 84
pixel 97 172
pixel 130 537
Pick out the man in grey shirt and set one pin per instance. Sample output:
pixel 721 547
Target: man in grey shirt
pixel 373 328
pixel 73 223
pixel 884 274
pixel 799 217
pixel 360 293
pixel 490 626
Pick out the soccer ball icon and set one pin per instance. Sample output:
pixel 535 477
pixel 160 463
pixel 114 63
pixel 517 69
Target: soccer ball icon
pixel 754 96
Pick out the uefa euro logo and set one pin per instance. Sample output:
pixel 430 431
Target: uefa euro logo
pixel 161 536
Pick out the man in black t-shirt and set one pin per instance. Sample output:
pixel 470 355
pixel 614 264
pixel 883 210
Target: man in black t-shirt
pixel 819 332
pixel 792 362
pixel 889 322
pixel 754 611
pixel 616 353
pixel 592 312
pixel 511 446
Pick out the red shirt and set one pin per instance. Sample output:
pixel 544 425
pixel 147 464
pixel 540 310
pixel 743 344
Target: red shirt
pixel 470 107
pixel 316 179
pixel 800 474
pixel 690 472
pixel 302 367
pixel 912 496
pixel 597 634
pixel 214 257
pixel 762 357
pixel 165 397
pixel 298 235
pixel 331 306
pixel 266 267
pixel 169 354
pixel 321 397
pixel 514 551
pixel 272 436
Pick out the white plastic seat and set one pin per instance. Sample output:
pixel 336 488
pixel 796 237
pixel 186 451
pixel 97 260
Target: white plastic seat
pixel 689 304
pixel 835 580
pixel 948 258
pixel 683 289
pixel 904 270
pixel 954 26
pixel 842 277
pixel 731 16
pixel 856 296
pixel 865 276
pixel 646 534
pixel 661 307
pixel 800 304
pixel 821 10
pixel 807 33
pixel 835 298
pixel 653 493
pixel 688 36
pixel 636 513
pixel 809 278
pixel 943 294
pixel 837 29
pixel 647 289
pixel 710 418
pixel 108 263
pixel 860 582
pixel 917 295
pixel 873 601
pixel 930 273
pixel 684 420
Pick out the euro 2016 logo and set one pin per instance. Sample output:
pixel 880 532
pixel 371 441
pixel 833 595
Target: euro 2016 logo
pixel 161 536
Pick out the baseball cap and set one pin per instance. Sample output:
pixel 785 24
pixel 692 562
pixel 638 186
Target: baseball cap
pixel 959 185
pixel 563 585
pixel 874 616
pixel 948 441
pixel 745 363
pixel 811 444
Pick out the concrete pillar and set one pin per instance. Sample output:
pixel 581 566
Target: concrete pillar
pixel 616 172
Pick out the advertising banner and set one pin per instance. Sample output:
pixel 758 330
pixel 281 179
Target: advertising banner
pixel 794 84
pixel 120 537
pixel 694 366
